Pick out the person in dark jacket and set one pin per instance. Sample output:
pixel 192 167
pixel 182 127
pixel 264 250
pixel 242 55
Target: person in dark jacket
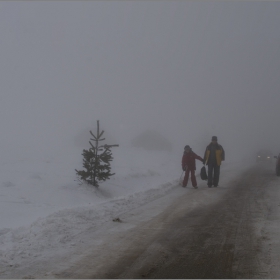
pixel 213 157
pixel 188 165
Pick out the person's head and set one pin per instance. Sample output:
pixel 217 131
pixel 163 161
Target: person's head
pixel 187 149
pixel 214 139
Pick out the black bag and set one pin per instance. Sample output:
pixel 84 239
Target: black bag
pixel 203 173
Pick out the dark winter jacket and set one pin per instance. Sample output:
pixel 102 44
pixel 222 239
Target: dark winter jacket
pixel 188 160
pixel 214 154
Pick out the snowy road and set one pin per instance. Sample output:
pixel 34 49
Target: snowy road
pixel 208 233
pixel 164 232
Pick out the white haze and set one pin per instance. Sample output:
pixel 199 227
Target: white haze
pixel 188 70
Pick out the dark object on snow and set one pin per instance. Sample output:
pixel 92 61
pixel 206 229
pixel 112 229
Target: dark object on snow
pixel 117 220
pixel 203 173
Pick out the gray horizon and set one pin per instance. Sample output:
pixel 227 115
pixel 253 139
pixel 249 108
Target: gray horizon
pixel 186 69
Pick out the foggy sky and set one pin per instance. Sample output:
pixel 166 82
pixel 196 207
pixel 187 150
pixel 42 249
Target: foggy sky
pixel 188 69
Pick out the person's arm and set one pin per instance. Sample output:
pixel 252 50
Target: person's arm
pixel 198 157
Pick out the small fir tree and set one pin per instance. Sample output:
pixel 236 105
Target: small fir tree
pixel 96 161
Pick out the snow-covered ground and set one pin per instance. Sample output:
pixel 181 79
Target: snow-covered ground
pixel 33 187
pixel 46 215
pixel 44 209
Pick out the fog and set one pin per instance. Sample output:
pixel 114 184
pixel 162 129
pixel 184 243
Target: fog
pixel 188 70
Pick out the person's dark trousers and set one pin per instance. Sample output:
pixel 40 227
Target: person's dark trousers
pixel 213 175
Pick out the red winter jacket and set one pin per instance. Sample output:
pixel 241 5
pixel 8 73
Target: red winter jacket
pixel 188 160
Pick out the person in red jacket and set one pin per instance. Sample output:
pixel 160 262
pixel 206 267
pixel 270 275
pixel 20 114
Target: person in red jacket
pixel 188 165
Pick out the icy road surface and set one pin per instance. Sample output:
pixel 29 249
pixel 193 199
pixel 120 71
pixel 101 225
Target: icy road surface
pixel 208 233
